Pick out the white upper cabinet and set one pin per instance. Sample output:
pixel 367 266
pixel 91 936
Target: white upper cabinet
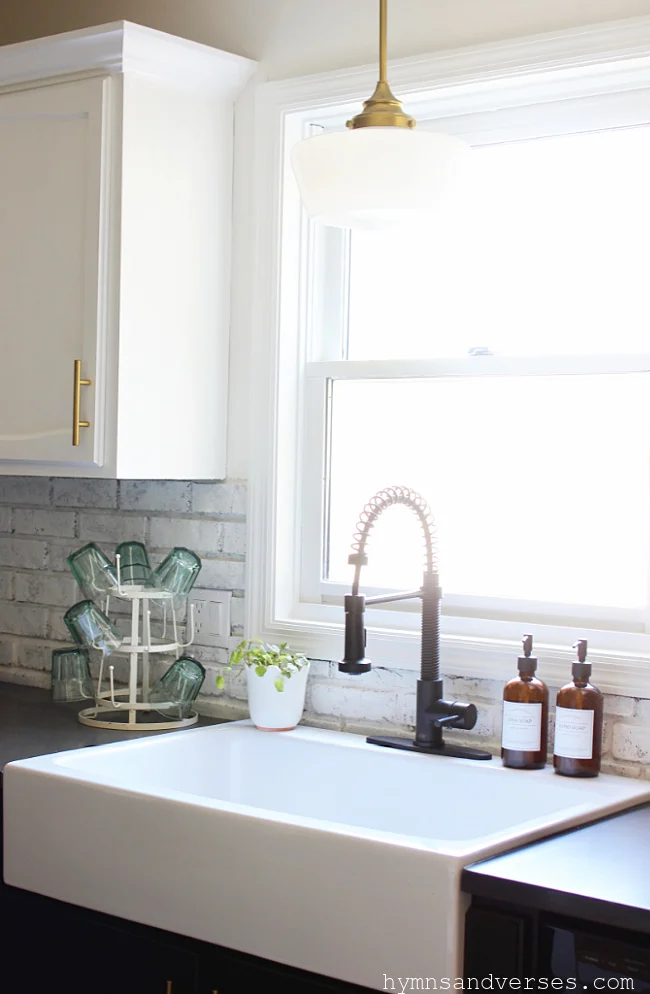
pixel 50 197
pixel 116 150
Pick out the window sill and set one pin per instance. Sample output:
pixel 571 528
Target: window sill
pixel 621 671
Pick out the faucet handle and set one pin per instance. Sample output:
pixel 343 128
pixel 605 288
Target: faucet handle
pixel 448 719
pixel 454 714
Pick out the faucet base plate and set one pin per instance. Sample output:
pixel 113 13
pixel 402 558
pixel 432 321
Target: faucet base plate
pixel 456 752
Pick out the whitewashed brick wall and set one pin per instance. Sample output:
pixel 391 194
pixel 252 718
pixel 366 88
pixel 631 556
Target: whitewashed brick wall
pixel 42 521
pixel 384 701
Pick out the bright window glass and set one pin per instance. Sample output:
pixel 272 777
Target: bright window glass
pixel 548 254
pixel 539 485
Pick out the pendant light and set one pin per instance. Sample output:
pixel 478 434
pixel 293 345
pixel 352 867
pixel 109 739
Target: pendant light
pixel 381 171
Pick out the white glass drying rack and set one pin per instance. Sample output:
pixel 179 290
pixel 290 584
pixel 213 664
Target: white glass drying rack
pixel 136 648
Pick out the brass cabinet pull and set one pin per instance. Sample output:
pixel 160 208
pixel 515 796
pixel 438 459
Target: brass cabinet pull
pixel 76 414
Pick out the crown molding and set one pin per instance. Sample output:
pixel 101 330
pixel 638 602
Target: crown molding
pixel 571 57
pixel 124 47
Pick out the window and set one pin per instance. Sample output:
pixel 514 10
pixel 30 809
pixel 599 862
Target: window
pixel 498 362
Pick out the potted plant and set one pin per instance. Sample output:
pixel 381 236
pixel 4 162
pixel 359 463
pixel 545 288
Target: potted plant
pixel 277 681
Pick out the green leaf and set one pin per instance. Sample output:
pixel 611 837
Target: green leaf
pixel 279 684
pixel 221 683
pixel 260 670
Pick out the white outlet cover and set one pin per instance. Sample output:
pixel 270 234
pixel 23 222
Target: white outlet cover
pixel 211 617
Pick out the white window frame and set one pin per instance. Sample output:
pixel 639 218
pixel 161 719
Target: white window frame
pixel 604 65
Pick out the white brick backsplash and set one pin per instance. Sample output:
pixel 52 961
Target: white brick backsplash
pixel 378 678
pixel 622 707
pixel 25 677
pixel 643 709
pixel 36 655
pixel 46 588
pixel 36 585
pixel 111 529
pixel 488 723
pixel 58 552
pixel 209 655
pixel 84 493
pixel 6 585
pixel 23 619
pixel 236 683
pixel 320 669
pixel 219 498
pixel 21 490
pixel 8 651
pixel 369 705
pixel 621 769
pixel 237 615
pixel 223 708
pixel 56 626
pixel 461 688
pixel 155 495
pixel 405 709
pixel 222 574
pixel 60 524
pixel 234 539
pixel 22 553
pixel 200 535
pixel 631 742
pixel 608 735
pixel 209 688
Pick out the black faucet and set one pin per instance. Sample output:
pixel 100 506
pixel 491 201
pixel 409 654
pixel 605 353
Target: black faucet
pixel 433 712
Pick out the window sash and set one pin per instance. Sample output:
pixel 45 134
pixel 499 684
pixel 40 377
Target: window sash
pixel 315 589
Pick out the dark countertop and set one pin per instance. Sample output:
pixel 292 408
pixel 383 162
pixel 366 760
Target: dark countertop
pixel 32 725
pixel 600 873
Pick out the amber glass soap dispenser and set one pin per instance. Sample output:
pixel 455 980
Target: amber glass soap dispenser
pixel 578 722
pixel 525 715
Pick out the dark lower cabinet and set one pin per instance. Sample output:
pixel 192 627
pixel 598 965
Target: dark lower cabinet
pixel 50 946
pixel 511 947
pixel 53 946
pixel 498 941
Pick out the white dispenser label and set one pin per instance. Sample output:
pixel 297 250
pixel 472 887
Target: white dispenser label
pixel 574 733
pixel 522 726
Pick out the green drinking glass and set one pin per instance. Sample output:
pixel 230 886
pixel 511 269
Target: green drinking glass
pixel 71 680
pixel 135 568
pixel 93 571
pixel 176 691
pixel 177 573
pixel 90 627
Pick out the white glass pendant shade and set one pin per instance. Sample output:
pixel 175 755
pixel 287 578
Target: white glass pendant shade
pixel 373 177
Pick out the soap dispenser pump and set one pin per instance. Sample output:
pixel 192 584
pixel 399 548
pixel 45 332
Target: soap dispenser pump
pixel 578 722
pixel 525 715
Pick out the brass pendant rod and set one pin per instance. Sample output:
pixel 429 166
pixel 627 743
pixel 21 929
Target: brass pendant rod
pixel 382 109
pixel 383 41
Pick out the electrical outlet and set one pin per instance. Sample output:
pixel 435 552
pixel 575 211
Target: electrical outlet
pixel 211 617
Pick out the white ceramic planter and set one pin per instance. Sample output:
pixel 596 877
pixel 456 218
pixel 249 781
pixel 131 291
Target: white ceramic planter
pixel 274 710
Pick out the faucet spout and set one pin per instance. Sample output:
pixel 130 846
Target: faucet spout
pixel 433 713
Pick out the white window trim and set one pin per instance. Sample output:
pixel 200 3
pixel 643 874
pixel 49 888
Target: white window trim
pixel 610 58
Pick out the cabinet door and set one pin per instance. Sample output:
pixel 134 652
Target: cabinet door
pixel 83 953
pixel 51 145
pixel 226 972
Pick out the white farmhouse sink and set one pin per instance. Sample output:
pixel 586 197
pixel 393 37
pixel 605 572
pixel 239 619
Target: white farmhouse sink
pixel 310 847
